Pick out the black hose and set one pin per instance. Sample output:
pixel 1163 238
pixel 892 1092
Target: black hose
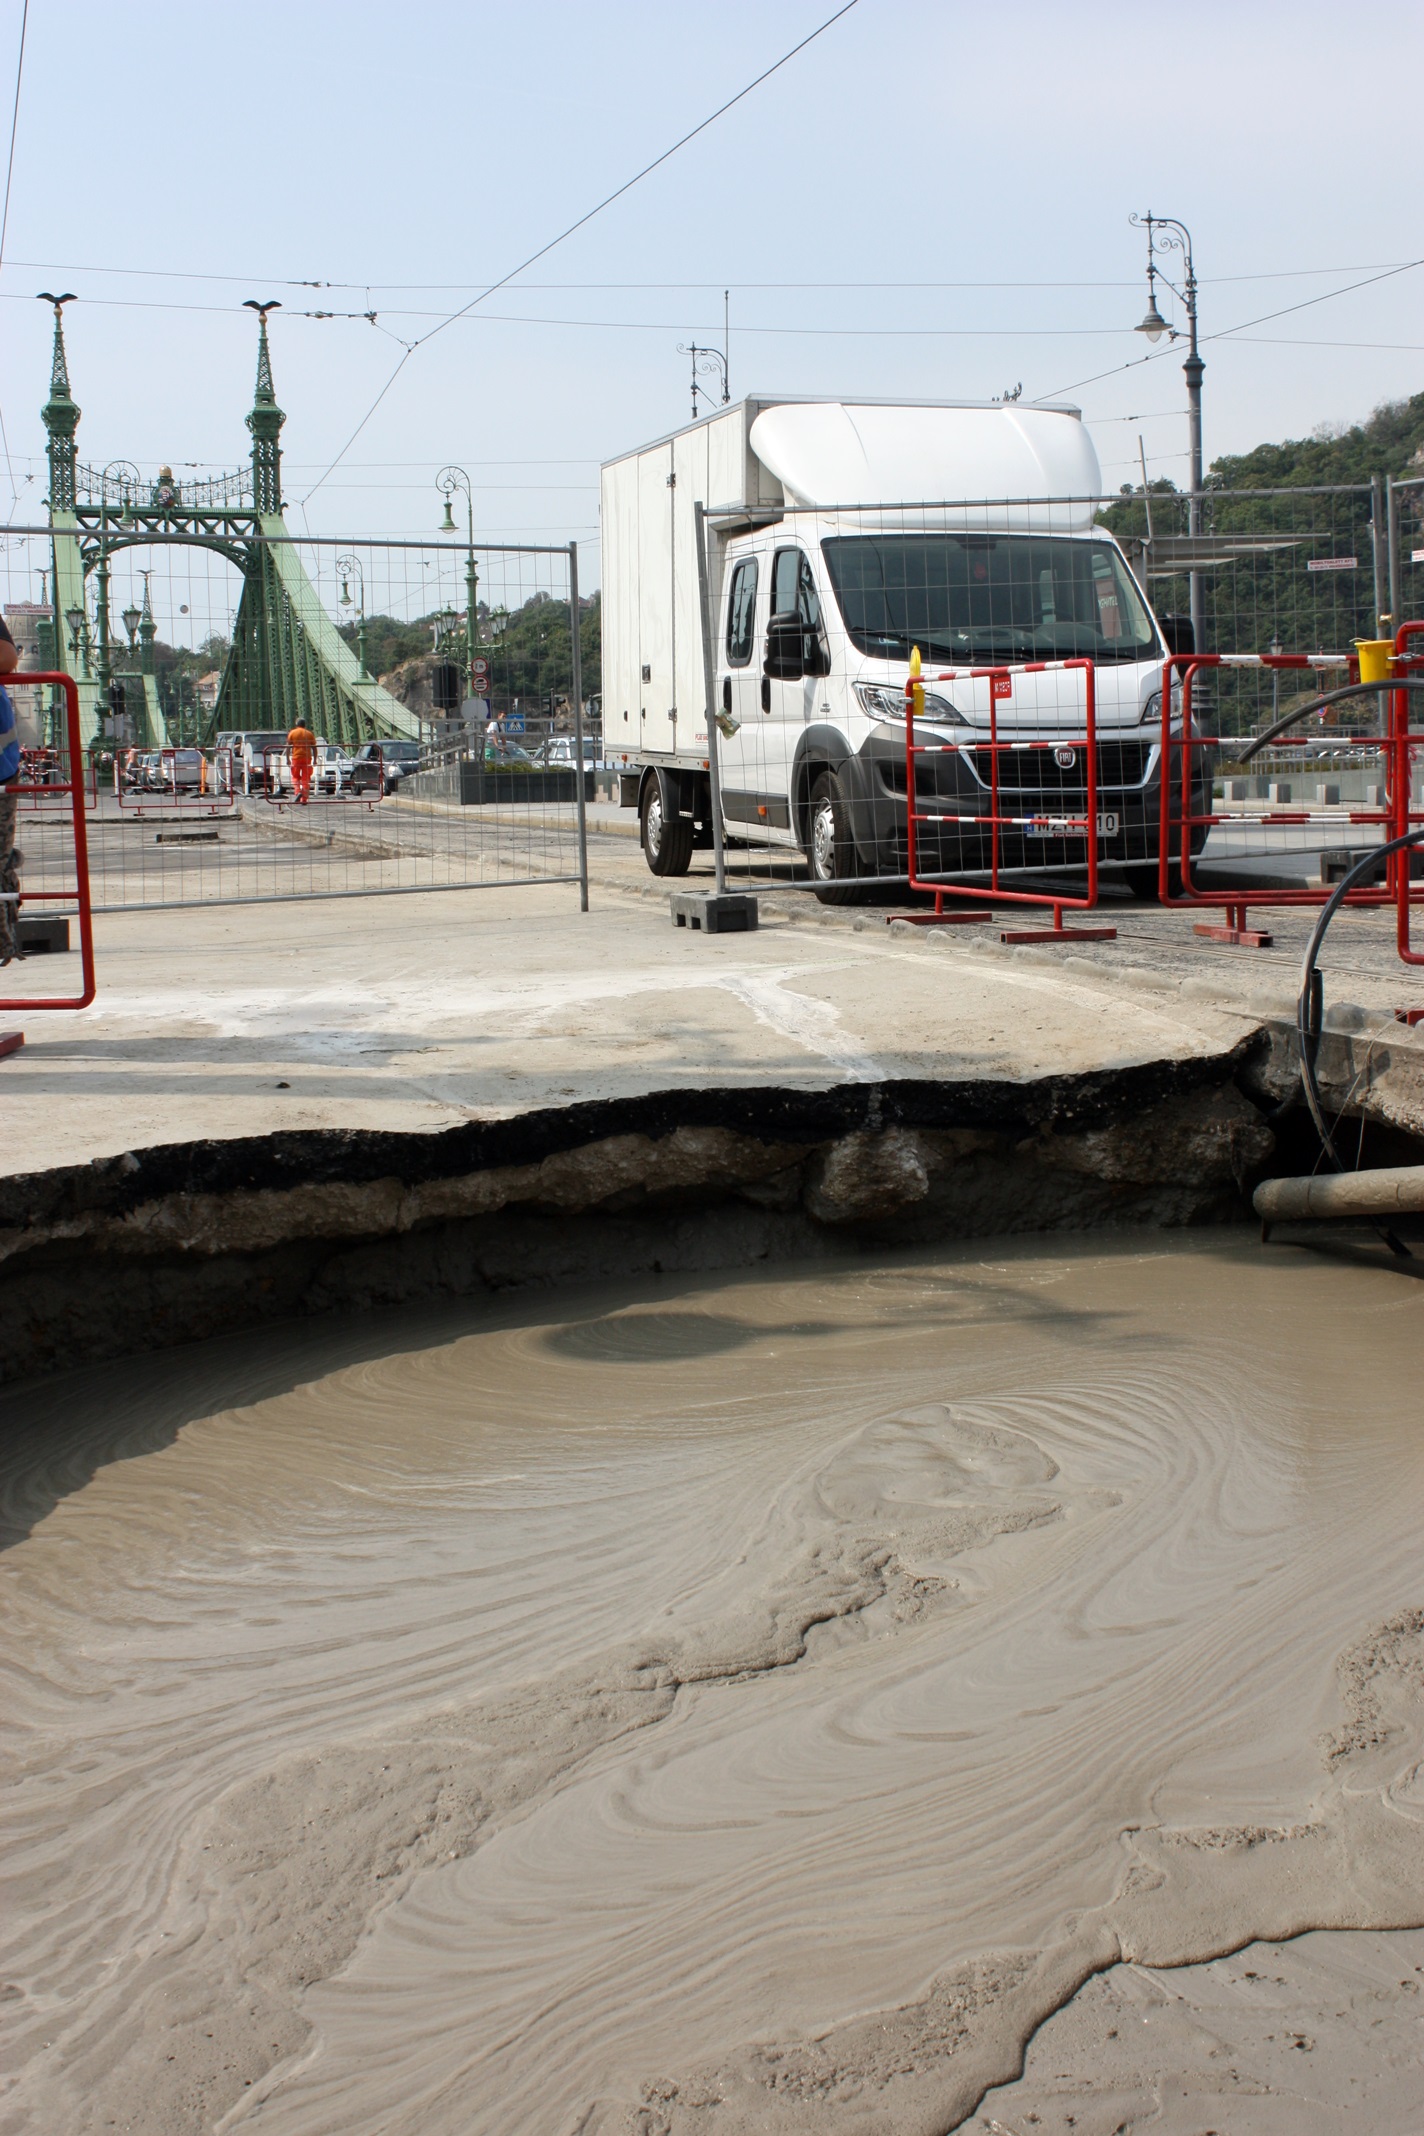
pixel 1321 704
pixel 1309 1015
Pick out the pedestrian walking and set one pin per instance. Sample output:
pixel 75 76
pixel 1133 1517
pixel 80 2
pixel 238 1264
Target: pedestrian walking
pixel 9 803
pixel 301 755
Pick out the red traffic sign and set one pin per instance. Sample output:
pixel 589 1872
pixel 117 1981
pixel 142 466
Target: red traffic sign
pixel 480 675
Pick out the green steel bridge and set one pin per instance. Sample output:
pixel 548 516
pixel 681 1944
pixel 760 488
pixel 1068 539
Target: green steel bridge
pixel 288 660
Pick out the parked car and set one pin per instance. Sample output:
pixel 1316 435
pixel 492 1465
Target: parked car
pixel 259 760
pixel 333 768
pixel 562 749
pixel 181 770
pixel 379 767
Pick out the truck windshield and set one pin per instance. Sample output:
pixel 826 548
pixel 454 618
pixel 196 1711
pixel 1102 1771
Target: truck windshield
pixel 983 597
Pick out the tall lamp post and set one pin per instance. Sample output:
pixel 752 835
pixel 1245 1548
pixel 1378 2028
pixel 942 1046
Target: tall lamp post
pixel 1166 234
pixel 454 481
pixel 350 567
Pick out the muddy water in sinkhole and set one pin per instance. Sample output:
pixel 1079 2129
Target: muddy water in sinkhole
pixel 756 1703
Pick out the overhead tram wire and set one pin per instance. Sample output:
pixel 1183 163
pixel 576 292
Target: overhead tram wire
pixel 627 186
pixel 1223 333
pixel 815 333
pixel 717 282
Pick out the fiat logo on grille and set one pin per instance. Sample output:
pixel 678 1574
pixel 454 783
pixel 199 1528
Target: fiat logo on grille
pixel 1065 759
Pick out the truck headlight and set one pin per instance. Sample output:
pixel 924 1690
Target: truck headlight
pixel 1152 710
pixel 883 701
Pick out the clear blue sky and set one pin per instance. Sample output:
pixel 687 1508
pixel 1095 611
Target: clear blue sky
pixel 411 154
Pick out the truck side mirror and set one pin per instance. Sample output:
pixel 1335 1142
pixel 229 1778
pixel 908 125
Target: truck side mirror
pixel 785 649
pixel 1180 633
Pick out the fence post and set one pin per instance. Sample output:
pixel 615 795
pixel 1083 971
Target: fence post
pixel 1392 525
pixel 1381 576
pixel 714 776
pixel 576 650
pixel 1377 546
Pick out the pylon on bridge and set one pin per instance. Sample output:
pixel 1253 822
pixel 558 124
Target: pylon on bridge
pixel 288 659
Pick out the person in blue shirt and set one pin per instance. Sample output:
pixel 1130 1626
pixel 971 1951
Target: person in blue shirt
pixel 9 800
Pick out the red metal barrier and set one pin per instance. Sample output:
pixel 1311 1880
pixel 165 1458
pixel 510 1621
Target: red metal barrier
pixel 1176 838
pixel 214 795
pixel 73 786
pixel 1405 816
pixel 278 786
pixel 1086 827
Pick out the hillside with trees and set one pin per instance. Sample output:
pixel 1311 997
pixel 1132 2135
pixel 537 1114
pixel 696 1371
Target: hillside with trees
pixel 528 649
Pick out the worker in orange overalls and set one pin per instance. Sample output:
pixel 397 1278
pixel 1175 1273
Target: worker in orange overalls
pixel 301 755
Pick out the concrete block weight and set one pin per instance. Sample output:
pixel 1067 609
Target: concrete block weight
pixel 43 937
pixel 734 912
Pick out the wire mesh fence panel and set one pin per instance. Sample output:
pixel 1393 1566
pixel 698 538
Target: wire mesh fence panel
pixel 320 721
pixel 1291 570
pixel 815 617
pixel 813 614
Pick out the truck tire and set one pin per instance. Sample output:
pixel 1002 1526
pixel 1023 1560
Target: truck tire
pixel 1141 876
pixel 667 839
pixel 830 844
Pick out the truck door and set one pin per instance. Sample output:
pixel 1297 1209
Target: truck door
pixel 790 690
pixel 739 692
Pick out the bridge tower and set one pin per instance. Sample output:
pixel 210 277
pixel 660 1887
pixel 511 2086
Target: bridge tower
pixel 288 659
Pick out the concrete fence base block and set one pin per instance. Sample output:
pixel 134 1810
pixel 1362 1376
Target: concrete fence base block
pixel 734 912
pixel 43 937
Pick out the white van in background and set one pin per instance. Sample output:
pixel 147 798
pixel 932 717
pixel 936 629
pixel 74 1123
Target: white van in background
pixel 825 570
pixel 259 759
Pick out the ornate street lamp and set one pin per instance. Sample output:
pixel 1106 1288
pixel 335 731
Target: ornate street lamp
pixel 706 363
pixel 1166 234
pixel 78 623
pixel 131 618
pixel 453 481
pixel 349 568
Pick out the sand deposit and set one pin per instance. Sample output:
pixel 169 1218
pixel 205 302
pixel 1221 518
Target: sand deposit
pixel 767 1704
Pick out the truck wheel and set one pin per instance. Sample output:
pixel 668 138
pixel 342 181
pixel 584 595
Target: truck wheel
pixel 830 847
pixel 1141 879
pixel 1141 876
pixel 667 840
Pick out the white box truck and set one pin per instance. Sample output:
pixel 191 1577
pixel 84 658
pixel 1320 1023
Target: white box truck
pixel 840 535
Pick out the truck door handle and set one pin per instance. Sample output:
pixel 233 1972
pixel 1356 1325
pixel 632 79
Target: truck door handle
pixel 726 693
pixel 765 694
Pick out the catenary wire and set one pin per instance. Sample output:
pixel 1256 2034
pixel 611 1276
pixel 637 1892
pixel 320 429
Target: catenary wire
pixel 1155 355
pixel 544 250
pixel 718 282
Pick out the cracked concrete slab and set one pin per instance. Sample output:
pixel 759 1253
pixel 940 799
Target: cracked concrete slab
pixel 422 1012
